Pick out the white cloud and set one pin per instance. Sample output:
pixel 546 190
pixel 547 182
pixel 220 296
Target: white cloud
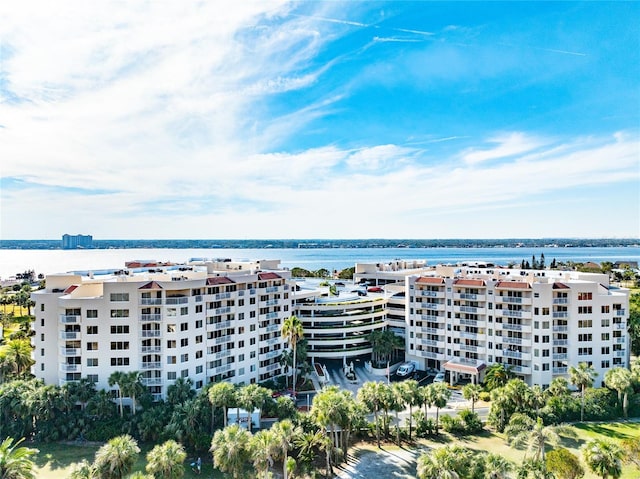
pixel 506 145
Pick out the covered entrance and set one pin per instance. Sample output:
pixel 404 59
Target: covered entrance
pixel 461 368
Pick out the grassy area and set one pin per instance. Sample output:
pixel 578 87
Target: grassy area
pixel 55 460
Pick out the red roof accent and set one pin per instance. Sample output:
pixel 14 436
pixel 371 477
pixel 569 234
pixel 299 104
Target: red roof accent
pixel 218 280
pixel 430 280
pixel 469 282
pixel 269 276
pixel 513 285
pixel 70 289
pixel 560 286
pixel 151 285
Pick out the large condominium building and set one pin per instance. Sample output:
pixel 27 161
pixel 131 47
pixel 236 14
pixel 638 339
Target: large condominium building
pixel 76 241
pixel 538 322
pixel 207 321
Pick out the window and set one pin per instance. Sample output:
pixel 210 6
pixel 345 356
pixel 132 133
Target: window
pixel 585 323
pixel 198 354
pixel 605 309
pixel 545 366
pixel 184 342
pixel 118 345
pixel 171 359
pixel 605 364
pixel 585 337
pixel 241 357
pixel 171 328
pixel 92 329
pixel 584 296
pixel 119 361
pixel 585 351
pixel 121 329
pixel 198 324
pixel 92 346
pixel 604 336
pixel 119 313
pixel 585 309
pixel 92 313
pixel 198 308
pixel 604 323
pixel 184 358
pixel 545 353
pixel 41 306
pixel 605 350
pixel 92 378
pixel 252 354
pixel 119 296
pixel 184 310
pixel 545 311
pixel 241 344
pixel 252 327
pixel 184 373
pixel 198 369
pixel 92 362
pixel 184 326
pixel 171 375
pixel 171 344
pixel 252 341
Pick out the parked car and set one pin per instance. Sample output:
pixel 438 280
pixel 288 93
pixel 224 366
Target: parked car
pixel 406 369
pixel 439 378
pixel 375 289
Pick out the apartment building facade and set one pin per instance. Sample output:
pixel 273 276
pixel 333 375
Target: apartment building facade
pixel 538 322
pixel 207 321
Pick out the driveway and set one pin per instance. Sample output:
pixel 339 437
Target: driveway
pixel 388 462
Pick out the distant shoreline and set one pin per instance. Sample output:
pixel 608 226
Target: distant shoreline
pixel 332 243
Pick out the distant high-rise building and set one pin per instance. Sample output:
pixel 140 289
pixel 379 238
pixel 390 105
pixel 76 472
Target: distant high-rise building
pixel 77 241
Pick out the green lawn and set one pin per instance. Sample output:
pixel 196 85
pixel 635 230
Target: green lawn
pixel 55 460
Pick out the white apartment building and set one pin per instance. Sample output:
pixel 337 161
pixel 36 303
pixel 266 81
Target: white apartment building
pixel 462 319
pixel 206 320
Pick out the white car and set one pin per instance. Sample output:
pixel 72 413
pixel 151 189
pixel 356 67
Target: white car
pixel 439 378
pixel 405 369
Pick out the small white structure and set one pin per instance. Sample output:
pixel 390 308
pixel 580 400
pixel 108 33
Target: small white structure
pixel 241 416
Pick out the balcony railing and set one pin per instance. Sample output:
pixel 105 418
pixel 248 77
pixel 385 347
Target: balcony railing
pixel 221 296
pixel 69 319
pixel 508 340
pixel 70 351
pixel 223 354
pixel 509 299
pixel 150 301
pixel 562 370
pixel 272 289
pixel 620 354
pixel 224 339
pixel 558 329
pixel 152 365
pixel 222 325
pixel 560 356
pixel 560 342
pixel 151 381
pixel 512 327
pixel 150 317
pixel 431 294
pixel 272 354
pixel 512 313
pixel 428 354
pixel 224 310
pixel 154 333
pixel 151 349
pixel 560 300
pixel 177 300
pixel 70 335
pixel 560 314
pixel 70 368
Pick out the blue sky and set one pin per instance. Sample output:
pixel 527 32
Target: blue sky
pixel 319 119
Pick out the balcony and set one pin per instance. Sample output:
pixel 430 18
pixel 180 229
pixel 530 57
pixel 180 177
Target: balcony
pixel 273 328
pixel 69 319
pixel 152 365
pixel 153 333
pixel 469 322
pixel 432 294
pixel 618 312
pixel 70 368
pixel 272 302
pixel 560 329
pixel 469 309
pixel 223 354
pixel 560 342
pixel 150 301
pixel 560 314
pixel 562 370
pixel 222 325
pixel 512 327
pixel 469 296
pixel 428 354
pixel 473 349
pixel 270 368
pixel 151 381
pixel 221 296
pixel 150 349
pixel 222 369
pixel 620 340
pixel 70 335
pixel 619 326
pixel 431 306
pixel 508 340
pixel 177 300
pixel 516 313
pixel 272 354
pixel 198 298
pixel 431 330
pixel 620 354
pixel 224 339
pixel 431 342
pixel 560 300
pixel 560 356
pixel 70 351
pixel 521 369
pixel 276 340
pixel 151 317
pixel 224 310
pixel 272 289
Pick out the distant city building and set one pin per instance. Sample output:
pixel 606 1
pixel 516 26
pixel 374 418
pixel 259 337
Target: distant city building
pixel 77 241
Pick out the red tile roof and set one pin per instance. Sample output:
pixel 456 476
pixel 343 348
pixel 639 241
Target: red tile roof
pixel 269 276
pixel 560 286
pixel 469 282
pixel 218 280
pixel 513 285
pixel 428 280
pixel 151 285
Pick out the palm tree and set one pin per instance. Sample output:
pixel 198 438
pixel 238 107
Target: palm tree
pixel 115 459
pixel 410 393
pixel 400 402
pixel 603 457
pixel 180 391
pixel 285 435
pixel 496 467
pixel 263 447
pixel 307 443
pixel 286 362
pixel 82 470
pixel 559 387
pixel 15 462
pixel 621 380
pixel 223 394
pixel 166 460
pixel 449 462
pixel 564 464
pixel 251 397
pixel 81 391
pixel 130 385
pixel 328 407
pixel 497 375
pixel 522 430
pixel 293 331
pixel 115 379
pixel 441 395
pixel 582 377
pixel 472 392
pixel 231 449
pixel 370 394
pixel 18 353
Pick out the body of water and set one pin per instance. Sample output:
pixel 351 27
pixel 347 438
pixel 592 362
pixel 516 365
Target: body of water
pixel 58 261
